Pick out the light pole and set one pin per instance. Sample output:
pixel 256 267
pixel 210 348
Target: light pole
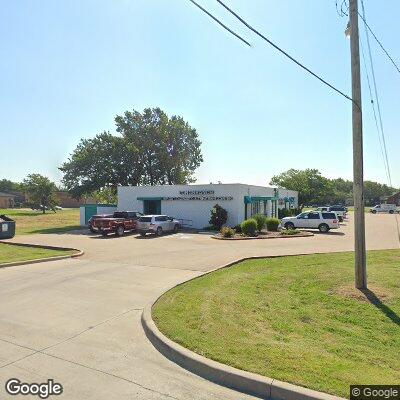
pixel 358 173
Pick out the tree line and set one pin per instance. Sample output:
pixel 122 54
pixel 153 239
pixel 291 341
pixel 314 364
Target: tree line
pixel 149 148
pixel 315 189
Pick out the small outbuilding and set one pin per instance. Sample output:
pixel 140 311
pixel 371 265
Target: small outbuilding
pixel 192 204
pixel 394 199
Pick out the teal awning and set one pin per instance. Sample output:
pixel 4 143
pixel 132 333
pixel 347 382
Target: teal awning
pixel 256 199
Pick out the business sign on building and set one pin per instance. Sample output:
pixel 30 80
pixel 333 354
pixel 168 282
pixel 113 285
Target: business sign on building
pixel 205 195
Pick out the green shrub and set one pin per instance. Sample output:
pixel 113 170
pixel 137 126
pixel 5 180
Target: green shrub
pixel 238 228
pixel 249 227
pixel 227 232
pixel 219 216
pixel 289 232
pixel 261 220
pixel 272 224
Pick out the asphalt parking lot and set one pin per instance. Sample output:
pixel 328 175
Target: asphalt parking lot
pixel 78 320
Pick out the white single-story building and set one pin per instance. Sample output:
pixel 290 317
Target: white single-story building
pixel 192 204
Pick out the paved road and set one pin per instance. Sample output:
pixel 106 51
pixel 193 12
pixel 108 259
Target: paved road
pixel 78 321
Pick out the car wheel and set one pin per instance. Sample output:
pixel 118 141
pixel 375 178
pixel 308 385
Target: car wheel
pixel 176 228
pixel 391 212
pixel 289 225
pixel 373 211
pixel 340 219
pixel 120 231
pixel 323 228
pixel 142 234
pixel 104 233
pixel 92 230
pixel 159 231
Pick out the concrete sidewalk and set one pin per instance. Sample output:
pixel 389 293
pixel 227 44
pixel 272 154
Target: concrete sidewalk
pixel 78 320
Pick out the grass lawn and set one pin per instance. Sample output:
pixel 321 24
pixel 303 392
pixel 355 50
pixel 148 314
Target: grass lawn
pixel 297 319
pixel 28 221
pixel 11 253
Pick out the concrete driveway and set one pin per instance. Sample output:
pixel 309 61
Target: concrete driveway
pixel 78 320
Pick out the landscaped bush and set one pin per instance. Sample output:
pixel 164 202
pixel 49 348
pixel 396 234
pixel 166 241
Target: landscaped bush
pixel 261 220
pixel 238 228
pixel 290 232
pixel 272 224
pixel 219 216
pixel 288 212
pixel 227 232
pixel 249 227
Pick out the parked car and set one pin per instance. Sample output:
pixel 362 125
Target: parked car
pixel 340 211
pixel 91 226
pixel 157 224
pixel 384 208
pixel 118 223
pixel 322 220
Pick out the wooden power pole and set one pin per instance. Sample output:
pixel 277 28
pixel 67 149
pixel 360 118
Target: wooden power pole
pixel 358 173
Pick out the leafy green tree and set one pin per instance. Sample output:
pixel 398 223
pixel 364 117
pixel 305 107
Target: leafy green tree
pixel 375 193
pixel 106 196
pixel 150 148
pixel 6 185
pixel 40 191
pixel 313 188
pixel 98 163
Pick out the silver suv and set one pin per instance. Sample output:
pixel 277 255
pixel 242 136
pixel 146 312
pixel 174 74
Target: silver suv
pixel 157 224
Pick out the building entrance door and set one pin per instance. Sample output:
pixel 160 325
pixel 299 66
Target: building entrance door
pixel 152 207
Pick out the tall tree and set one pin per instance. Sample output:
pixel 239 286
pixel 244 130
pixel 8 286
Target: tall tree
pixel 40 191
pixel 6 185
pixel 313 188
pixel 150 148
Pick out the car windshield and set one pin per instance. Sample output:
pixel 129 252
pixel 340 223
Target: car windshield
pixel 302 215
pixel 145 219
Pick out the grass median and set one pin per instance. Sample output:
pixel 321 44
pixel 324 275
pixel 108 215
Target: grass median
pixel 29 221
pixel 296 319
pixel 12 253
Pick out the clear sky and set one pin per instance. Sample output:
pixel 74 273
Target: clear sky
pixel 69 66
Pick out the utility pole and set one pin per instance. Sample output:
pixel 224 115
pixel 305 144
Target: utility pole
pixel 358 173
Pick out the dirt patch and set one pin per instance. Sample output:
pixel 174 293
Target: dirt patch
pixel 374 294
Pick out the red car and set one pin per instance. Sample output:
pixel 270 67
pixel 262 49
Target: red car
pixel 118 223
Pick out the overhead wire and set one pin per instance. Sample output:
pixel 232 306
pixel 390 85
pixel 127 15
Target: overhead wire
pixel 344 12
pixel 377 96
pixel 367 30
pixel 220 23
pixel 286 54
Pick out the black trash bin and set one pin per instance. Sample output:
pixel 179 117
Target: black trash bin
pixel 7 227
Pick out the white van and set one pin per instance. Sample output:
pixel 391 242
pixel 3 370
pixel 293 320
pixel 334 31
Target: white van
pixel 384 208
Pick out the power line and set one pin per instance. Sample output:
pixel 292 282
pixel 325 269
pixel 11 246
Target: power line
pixel 366 26
pixel 376 95
pixel 374 111
pixel 378 41
pixel 286 54
pixel 220 23
pixel 344 12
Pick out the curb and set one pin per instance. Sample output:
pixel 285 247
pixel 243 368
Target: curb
pixel 221 374
pixel 264 237
pixel 40 260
